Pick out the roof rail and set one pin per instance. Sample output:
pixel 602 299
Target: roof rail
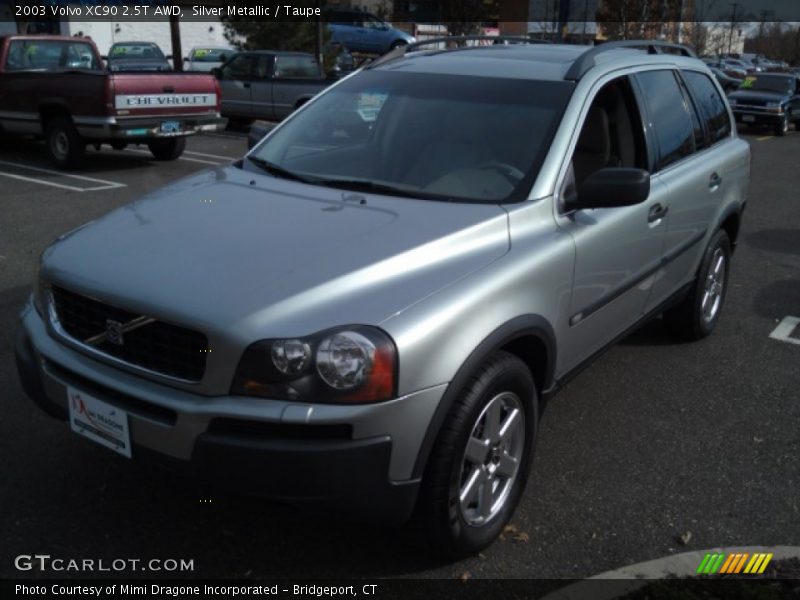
pixel 587 60
pixel 459 40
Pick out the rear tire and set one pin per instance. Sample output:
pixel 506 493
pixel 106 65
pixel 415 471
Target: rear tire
pixel 168 149
pixel 697 315
pixel 64 144
pixel 479 464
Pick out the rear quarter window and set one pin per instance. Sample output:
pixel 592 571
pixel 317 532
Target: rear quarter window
pixel 712 107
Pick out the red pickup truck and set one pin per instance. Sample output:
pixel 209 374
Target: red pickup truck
pixel 57 87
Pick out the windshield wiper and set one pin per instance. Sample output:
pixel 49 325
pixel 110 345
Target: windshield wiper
pixel 365 185
pixel 278 171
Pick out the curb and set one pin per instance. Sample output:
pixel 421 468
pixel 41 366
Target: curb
pixel 612 584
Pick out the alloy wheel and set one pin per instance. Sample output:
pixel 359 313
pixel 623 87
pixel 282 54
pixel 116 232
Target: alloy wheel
pixel 714 287
pixel 491 460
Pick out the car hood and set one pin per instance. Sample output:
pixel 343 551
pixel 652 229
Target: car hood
pixel 758 96
pixel 247 254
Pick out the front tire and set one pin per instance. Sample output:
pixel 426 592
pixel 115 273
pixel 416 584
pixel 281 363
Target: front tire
pixel 64 144
pixel 782 128
pixel 168 149
pixel 697 315
pixel 479 465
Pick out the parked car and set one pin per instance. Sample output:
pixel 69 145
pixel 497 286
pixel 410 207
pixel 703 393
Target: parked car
pixel 737 71
pixel 136 56
pixel 370 309
pixel 57 88
pixel 257 132
pixel 728 84
pixel 363 32
pixel 267 84
pixel 207 58
pixel 768 99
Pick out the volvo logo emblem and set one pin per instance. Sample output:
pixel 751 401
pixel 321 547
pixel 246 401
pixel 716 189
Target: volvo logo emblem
pixel 114 332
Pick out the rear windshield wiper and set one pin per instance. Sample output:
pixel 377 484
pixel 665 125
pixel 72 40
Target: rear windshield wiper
pixel 365 185
pixel 278 171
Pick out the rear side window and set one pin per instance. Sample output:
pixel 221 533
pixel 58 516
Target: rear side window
pixel 668 116
pixel 241 66
pixel 711 105
pixel 296 67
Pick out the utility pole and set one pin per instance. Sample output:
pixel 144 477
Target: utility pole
pixel 563 20
pixel 585 19
pixel 733 23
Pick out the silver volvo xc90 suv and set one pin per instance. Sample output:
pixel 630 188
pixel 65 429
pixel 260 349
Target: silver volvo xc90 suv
pixel 371 307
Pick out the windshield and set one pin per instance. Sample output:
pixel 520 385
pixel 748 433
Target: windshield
pixel 210 54
pixel 767 83
pixel 135 52
pixel 422 135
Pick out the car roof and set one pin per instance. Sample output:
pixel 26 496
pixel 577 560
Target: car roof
pixel 531 61
pixel 134 43
pixel 45 37
pixel 276 52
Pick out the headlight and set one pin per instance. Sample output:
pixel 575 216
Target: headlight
pixel 344 359
pixel 344 365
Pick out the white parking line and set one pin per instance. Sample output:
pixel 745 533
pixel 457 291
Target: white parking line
pixel 106 185
pixel 197 160
pixel 211 155
pixel 783 331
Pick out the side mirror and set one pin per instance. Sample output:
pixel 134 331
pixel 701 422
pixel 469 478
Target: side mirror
pixel 217 72
pixel 169 56
pixel 185 59
pixel 612 187
pixel 104 57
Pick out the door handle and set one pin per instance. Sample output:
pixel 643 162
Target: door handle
pixel 246 85
pixel 714 181
pixel 657 212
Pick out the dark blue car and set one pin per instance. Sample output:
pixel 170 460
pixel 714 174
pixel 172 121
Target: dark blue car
pixel 770 99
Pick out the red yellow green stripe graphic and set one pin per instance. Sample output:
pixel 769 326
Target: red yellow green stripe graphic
pixel 734 562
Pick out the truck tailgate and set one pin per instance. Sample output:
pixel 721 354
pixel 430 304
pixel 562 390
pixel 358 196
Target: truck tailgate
pixel 141 94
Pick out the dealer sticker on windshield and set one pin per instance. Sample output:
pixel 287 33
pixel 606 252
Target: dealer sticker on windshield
pixel 99 421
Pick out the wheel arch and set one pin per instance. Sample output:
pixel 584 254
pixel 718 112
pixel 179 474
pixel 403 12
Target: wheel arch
pixel 529 337
pixel 52 110
pixel 730 223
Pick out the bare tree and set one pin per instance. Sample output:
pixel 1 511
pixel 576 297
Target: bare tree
pixel 464 17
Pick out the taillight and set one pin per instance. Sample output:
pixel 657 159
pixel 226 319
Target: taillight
pixel 110 100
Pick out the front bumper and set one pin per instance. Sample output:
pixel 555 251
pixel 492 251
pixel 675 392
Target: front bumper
pixel 757 117
pixel 146 128
pixel 228 443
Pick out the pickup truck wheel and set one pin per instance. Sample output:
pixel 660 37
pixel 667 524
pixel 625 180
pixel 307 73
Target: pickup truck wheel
pixel 64 144
pixel 479 464
pixel 168 149
pixel 782 128
pixel 697 315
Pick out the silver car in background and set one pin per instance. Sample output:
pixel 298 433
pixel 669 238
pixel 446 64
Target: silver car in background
pixel 370 309
pixel 207 58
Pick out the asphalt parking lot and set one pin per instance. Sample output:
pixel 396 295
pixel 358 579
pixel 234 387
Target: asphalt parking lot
pixel 657 440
